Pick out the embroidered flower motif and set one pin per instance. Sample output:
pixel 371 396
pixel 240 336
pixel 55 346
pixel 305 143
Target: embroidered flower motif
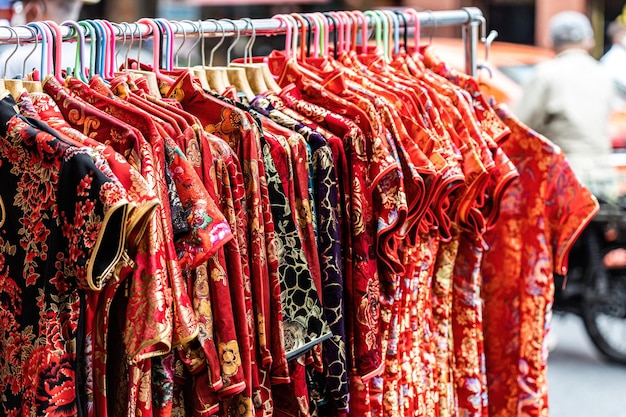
pixel 230 358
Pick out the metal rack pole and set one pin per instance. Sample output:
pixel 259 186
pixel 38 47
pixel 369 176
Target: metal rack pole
pixel 467 16
pixel 470 18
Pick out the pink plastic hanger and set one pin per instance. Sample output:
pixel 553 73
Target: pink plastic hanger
pixel 57 37
pixel 416 28
pixel 109 52
pixel 156 39
pixel 364 30
pixel 340 20
pixel 288 35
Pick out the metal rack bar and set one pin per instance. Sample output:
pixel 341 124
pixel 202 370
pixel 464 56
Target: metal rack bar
pixel 261 26
pixel 469 18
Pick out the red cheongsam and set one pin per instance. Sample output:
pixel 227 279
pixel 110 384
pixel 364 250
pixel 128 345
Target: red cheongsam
pixel 542 214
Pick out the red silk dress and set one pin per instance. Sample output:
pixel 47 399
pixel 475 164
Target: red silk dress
pixel 542 214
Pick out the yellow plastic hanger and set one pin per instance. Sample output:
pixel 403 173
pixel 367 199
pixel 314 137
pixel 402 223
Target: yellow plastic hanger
pixel 13 86
pixel 237 76
pixel 254 72
pixel 197 71
pixel 216 76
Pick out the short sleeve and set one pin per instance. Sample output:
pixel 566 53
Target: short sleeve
pixel 571 206
pixel 93 211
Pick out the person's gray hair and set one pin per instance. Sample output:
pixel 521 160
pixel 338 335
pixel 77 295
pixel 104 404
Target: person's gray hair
pixel 570 27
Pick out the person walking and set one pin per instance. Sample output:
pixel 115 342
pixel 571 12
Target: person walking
pixel 569 100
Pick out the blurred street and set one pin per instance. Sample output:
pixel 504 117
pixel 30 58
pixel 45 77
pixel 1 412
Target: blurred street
pixel 581 383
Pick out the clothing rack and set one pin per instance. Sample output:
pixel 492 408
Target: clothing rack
pixel 469 18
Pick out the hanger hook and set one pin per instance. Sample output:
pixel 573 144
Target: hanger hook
pixel 80 49
pixel 488 41
pixel 250 44
pixel 17 45
pixel 32 51
pixel 252 40
pixel 168 32
pixel 140 43
pixel 179 28
pixel 131 31
pixel 121 29
pixel 221 41
pixel 232 45
pixel 197 30
pixel 483 24
pixel 405 34
pixel 46 51
pixel 288 33
pixel 157 49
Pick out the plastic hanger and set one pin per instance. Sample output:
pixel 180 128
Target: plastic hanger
pixel 124 29
pixel 378 30
pixel 168 59
pixel 237 76
pixel 291 43
pixel 79 66
pixel 324 44
pixel 199 72
pixel 318 35
pixel 405 31
pixel 306 30
pixel 46 52
pixel 151 76
pixel 338 32
pixel 394 21
pixel 354 30
pixel 89 31
pixel 321 25
pixel 254 72
pixel 346 30
pixel 101 46
pixel 109 51
pixel 35 37
pixel 364 30
pixel 387 28
pixel 57 47
pixel 216 76
pixel 9 86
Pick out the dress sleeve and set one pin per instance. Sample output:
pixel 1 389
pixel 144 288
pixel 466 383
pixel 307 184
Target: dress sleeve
pixel 571 206
pixel 93 210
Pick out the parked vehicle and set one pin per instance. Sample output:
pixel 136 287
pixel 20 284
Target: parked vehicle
pixel 593 291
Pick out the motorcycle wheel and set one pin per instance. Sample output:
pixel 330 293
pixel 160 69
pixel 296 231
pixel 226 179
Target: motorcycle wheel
pixel 604 312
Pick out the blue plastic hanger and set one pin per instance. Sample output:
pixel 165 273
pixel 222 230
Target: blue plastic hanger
pixel 168 50
pixel 46 52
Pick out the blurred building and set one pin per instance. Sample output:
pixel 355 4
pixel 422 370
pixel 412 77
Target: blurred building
pixel 526 21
